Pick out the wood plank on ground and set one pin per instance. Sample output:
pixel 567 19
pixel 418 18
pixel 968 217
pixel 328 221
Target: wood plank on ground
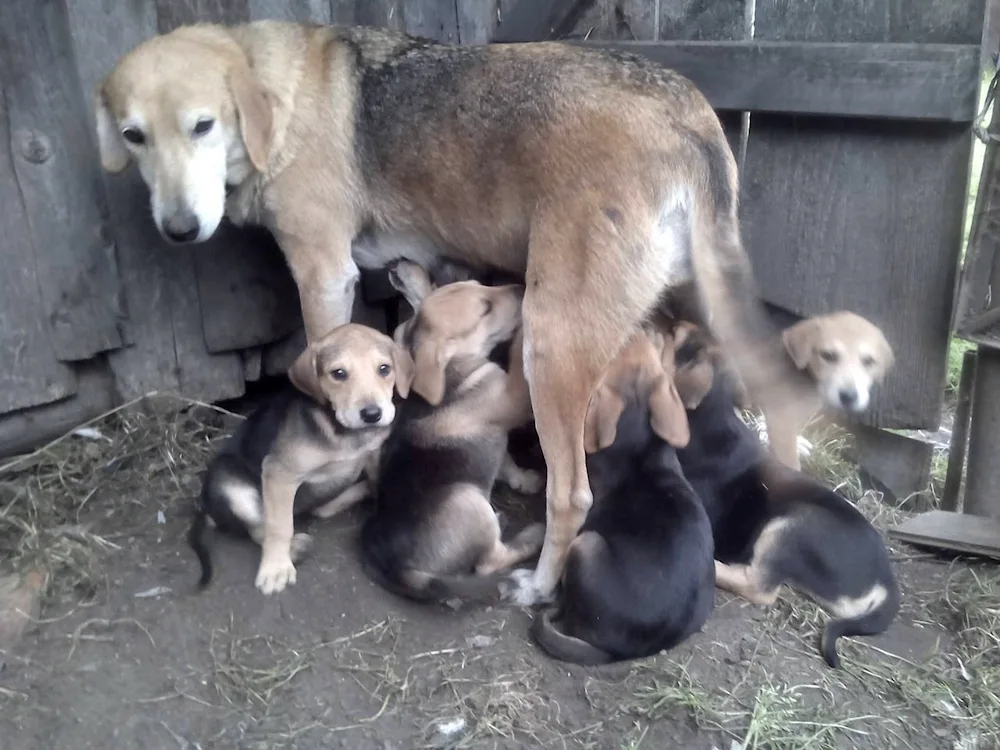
pixel 56 170
pixel 900 81
pixel 956 532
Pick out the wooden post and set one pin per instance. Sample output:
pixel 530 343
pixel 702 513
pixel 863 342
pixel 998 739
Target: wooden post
pixel 959 434
pixel 982 483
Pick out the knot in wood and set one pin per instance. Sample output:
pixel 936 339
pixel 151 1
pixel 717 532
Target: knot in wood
pixel 36 147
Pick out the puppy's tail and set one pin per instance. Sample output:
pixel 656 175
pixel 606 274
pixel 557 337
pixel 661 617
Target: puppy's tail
pixel 198 541
pixel 565 647
pixel 872 623
pixel 421 586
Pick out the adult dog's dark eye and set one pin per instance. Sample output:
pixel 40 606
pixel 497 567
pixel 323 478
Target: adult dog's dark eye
pixel 203 125
pixel 829 356
pixel 134 136
pixel 339 374
pixel 384 370
pixel 867 361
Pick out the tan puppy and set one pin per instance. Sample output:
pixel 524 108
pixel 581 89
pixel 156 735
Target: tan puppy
pixel 434 533
pixel 841 356
pixel 603 178
pixel 304 451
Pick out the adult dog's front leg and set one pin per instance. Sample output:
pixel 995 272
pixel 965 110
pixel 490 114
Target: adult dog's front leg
pixel 326 277
pixel 278 487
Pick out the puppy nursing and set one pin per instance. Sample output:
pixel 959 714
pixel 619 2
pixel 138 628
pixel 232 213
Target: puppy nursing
pixel 304 451
pixel 433 533
pixel 773 525
pixel 639 578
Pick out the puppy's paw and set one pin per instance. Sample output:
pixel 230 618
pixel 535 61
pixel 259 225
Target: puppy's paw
pixel 531 538
pixel 299 547
pixel 520 589
pixel 525 481
pixel 275 574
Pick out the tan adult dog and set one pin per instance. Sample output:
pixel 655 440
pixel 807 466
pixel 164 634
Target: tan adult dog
pixel 603 178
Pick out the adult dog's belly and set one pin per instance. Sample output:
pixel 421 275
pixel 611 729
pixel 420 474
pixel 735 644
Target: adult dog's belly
pixel 376 248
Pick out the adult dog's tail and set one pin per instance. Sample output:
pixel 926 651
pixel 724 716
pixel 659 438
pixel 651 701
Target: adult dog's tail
pixel 871 623
pixel 565 647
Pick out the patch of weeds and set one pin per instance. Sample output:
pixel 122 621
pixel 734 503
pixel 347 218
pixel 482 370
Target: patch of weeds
pixel 956 351
pixel 665 689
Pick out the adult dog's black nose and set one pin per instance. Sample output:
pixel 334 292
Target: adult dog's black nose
pixel 848 397
pixel 181 227
pixel 371 414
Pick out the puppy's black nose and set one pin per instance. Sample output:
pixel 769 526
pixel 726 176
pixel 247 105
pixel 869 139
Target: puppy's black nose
pixel 848 397
pixel 181 227
pixel 371 414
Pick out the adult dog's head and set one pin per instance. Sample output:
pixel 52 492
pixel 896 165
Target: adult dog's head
pixel 190 111
pixel 844 353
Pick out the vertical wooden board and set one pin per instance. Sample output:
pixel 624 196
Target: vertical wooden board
pixel 477 19
pixel 343 12
pixel 859 215
pixel 30 374
pixel 58 179
pixel 386 14
pixel 696 20
pixel 432 19
pixel 173 13
pixel 156 358
pixel 303 11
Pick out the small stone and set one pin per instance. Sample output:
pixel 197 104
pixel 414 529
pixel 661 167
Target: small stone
pixel 480 641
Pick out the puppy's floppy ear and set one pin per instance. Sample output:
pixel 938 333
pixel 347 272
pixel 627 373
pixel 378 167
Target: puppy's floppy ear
pixel 411 280
pixel 402 364
pixel 666 413
pixel 428 371
pixel 114 155
pixel 305 376
pixel 799 341
pixel 887 358
pixel 601 425
pixel 256 115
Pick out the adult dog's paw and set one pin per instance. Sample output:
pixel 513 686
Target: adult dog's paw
pixel 521 589
pixel 275 574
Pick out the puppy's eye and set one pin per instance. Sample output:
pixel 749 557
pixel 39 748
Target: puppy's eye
pixel 384 370
pixel 868 361
pixel 134 136
pixel 203 126
pixel 827 355
pixel 487 307
pixel 339 374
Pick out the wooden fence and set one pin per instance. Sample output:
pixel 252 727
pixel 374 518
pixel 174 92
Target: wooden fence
pixel 855 163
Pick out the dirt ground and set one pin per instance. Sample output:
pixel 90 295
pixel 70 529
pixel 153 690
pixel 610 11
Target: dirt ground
pixel 127 654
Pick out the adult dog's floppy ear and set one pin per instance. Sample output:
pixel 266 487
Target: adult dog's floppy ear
pixel 402 364
pixel 428 371
pixel 305 376
pixel 114 155
pixel 799 341
pixel 411 280
pixel 666 413
pixel 253 106
pixel 601 426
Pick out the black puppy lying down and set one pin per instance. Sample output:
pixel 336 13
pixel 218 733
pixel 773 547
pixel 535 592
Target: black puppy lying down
pixel 774 525
pixel 639 578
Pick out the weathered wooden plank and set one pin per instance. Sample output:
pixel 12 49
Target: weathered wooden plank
pixel 951 531
pixel 896 464
pixel 173 13
pixel 58 180
pixel 534 20
pixel 432 19
pixel 983 474
pixel 959 444
pixel 861 215
pixel 476 20
pixel 902 81
pixel 30 374
pixel 386 14
pixel 26 429
pixel 304 11
pixel 156 358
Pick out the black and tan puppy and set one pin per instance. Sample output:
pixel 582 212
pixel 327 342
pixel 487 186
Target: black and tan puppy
pixel 434 533
pixel 304 451
pixel 639 578
pixel 773 525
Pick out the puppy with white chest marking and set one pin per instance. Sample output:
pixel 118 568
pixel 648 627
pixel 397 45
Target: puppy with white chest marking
pixel 841 357
pixel 434 533
pixel 304 452
pixel 773 525
pixel 639 578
